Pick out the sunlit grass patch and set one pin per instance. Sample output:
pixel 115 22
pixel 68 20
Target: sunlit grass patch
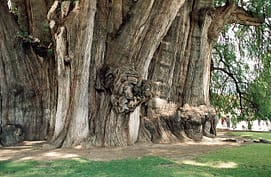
pixel 213 164
pixel 253 135
pixel 250 160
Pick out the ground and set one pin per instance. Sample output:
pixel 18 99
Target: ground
pixel 36 150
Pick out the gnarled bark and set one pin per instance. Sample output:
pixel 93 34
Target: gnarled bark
pixel 122 71
pixel 25 82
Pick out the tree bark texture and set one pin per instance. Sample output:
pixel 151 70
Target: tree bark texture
pixel 121 72
pixel 26 86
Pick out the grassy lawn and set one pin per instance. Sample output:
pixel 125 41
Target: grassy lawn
pixel 253 135
pixel 247 161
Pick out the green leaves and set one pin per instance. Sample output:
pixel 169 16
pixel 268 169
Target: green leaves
pixel 242 66
pixel 260 90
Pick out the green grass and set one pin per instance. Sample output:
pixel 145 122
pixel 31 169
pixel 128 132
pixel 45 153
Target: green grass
pixel 146 166
pixel 253 135
pixel 246 161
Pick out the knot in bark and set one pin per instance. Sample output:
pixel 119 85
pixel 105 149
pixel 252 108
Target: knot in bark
pixel 127 88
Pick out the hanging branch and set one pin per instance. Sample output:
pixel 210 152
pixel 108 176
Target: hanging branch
pixel 231 75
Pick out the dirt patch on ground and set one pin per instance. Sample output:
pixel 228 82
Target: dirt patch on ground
pixel 34 150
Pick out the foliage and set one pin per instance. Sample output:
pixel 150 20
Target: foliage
pixel 240 79
pixel 252 160
pixel 260 90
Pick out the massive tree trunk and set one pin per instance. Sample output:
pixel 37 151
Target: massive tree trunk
pixel 123 71
pixel 26 79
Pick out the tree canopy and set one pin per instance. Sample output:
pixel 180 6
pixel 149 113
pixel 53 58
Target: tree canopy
pixel 241 59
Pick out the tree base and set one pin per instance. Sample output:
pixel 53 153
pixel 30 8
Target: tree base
pixel 178 124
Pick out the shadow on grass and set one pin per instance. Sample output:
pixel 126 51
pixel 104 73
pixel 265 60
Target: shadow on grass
pixel 146 166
